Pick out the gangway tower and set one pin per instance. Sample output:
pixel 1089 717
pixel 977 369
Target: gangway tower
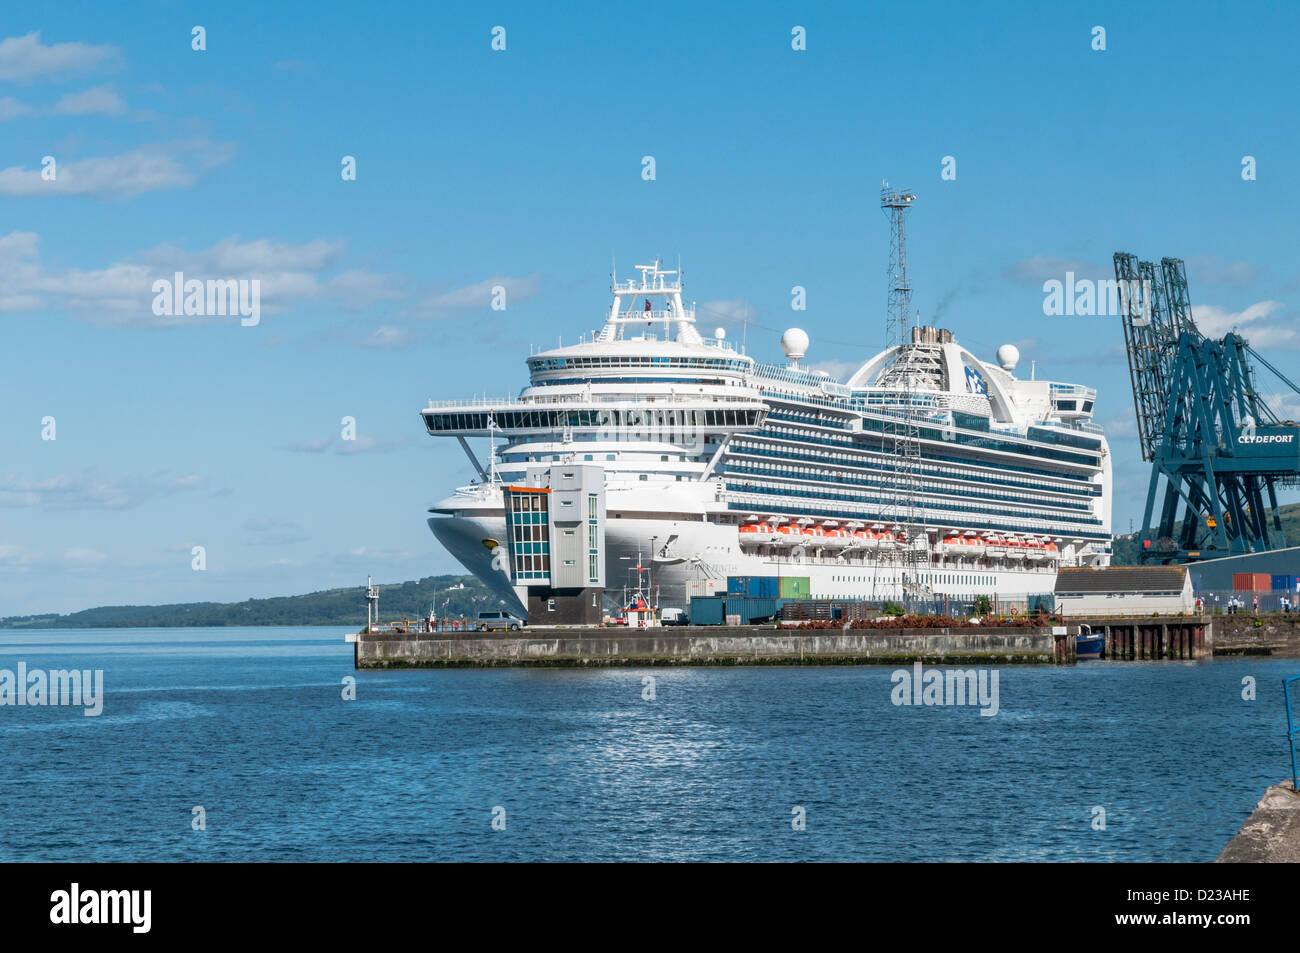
pixel 902 438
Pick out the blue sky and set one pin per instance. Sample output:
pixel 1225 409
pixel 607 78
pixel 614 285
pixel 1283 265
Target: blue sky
pixel 523 168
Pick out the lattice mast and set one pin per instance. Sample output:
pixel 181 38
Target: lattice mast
pixel 902 438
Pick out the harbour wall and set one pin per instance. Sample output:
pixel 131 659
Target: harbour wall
pixel 1246 634
pixel 1271 834
pixel 716 645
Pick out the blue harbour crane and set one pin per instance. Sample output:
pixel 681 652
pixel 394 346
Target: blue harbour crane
pixel 1218 452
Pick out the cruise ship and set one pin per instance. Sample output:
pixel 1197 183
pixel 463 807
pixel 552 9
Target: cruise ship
pixel 929 471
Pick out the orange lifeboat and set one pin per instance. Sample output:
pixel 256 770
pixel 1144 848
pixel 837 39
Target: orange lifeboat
pixel 785 535
pixel 837 537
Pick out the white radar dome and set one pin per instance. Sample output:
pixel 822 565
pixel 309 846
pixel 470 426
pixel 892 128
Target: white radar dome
pixel 720 334
pixel 1008 356
pixel 795 344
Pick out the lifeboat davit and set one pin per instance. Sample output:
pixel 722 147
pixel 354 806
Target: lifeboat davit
pixel 837 538
pixel 953 546
pixel 786 535
pixel 813 535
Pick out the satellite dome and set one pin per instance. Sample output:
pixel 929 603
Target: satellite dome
pixel 1008 356
pixel 795 344
pixel 720 334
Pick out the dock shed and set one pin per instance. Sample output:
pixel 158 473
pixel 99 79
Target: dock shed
pixel 1124 590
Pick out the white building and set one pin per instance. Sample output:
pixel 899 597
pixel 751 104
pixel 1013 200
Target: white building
pixel 1124 590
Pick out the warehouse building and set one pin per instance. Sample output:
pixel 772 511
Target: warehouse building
pixel 1124 590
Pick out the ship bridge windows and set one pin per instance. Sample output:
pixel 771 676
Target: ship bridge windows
pixel 652 420
pixel 639 360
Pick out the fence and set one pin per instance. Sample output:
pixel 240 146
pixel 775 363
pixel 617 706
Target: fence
pixel 1219 601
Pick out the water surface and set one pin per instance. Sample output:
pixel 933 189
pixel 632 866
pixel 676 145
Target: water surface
pixel 250 724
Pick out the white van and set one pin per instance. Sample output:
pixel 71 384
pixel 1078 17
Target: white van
pixel 498 619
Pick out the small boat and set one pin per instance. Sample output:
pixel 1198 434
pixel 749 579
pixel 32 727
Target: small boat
pixel 1088 644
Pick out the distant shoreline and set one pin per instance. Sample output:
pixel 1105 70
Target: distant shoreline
pixel 454 595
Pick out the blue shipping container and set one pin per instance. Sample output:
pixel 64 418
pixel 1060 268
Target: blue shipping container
pixel 706 610
pixel 751 609
pixel 753 587
pixel 1283 583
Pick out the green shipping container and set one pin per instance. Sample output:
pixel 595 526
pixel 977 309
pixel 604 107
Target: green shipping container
pixel 794 587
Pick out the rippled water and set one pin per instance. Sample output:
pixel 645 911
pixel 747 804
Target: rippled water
pixel 250 724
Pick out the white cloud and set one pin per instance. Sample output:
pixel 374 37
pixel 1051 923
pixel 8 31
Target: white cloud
pixel 11 108
pixel 1212 270
pixel 366 444
pixel 267 531
pixel 15 558
pixel 1250 323
pixel 312 446
pixel 840 370
pixel 148 169
pixel 26 57
pixel 230 256
pixel 362 444
pixel 100 99
pixel 480 294
pixel 387 337
pixel 1040 268
pixel 83 556
pixel 122 293
pixel 86 490
pixel 730 311
pixel 1285 404
pixel 1122 426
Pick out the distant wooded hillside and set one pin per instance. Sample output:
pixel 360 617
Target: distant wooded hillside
pixel 449 595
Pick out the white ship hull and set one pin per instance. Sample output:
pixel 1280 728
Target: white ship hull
pixel 701 552
pixel 928 472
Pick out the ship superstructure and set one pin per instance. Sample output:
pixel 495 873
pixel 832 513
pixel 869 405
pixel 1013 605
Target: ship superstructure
pixel 719 465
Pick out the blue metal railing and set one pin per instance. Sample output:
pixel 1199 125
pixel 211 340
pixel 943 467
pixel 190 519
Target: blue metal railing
pixel 1291 730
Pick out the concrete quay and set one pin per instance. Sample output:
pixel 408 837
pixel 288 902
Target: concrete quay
pixel 716 645
pixel 1271 835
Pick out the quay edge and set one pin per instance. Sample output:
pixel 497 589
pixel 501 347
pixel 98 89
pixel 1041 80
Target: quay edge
pixel 1271 835
pixel 716 645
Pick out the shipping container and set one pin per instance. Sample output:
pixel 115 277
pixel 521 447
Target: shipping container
pixel 1283 583
pixel 706 587
pixel 754 587
pixel 716 610
pixel 794 587
pixel 706 610
pixel 751 609
pixel 1252 582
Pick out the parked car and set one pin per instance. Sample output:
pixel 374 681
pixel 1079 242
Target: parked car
pixel 498 619
pixel 672 616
